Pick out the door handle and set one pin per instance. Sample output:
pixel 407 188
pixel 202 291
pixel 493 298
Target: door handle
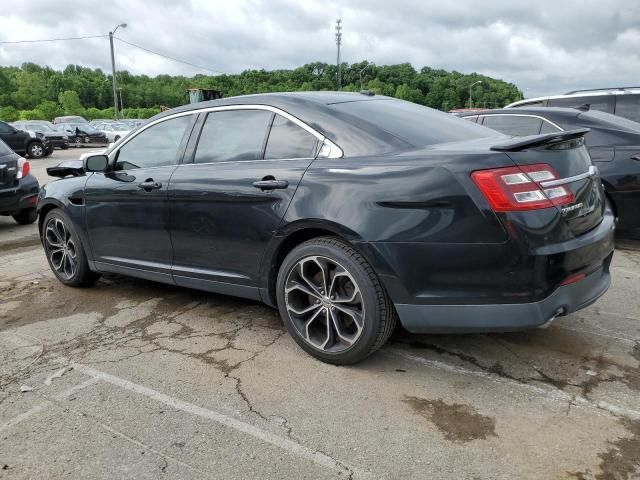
pixel 636 157
pixel 271 184
pixel 150 184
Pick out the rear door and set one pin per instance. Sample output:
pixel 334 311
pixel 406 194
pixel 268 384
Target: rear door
pixel 226 204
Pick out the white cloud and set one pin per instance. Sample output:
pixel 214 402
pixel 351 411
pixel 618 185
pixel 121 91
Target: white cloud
pixel 544 47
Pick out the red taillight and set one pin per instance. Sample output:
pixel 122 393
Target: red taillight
pixel 573 278
pixel 23 168
pixel 511 189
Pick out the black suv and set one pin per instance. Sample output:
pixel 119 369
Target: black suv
pixel 18 188
pixel 56 138
pixel 23 143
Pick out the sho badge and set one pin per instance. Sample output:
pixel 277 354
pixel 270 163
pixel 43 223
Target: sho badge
pixel 567 210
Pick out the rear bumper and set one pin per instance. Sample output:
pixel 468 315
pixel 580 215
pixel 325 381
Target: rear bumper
pixel 24 195
pixel 509 316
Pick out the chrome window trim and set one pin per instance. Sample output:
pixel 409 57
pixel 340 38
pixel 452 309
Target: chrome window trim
pixel 592 172
pixel 519 115
pixel 335 150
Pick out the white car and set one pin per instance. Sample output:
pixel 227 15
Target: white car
pixel 114 131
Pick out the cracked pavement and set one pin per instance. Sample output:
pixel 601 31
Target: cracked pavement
pixel 132 379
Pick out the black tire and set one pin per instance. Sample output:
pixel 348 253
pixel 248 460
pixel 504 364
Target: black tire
pixel 378 315
pixel 26 216
pixel 36 150
pixel 81 275
pixel 64 146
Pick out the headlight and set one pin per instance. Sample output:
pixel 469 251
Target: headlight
pixel 39 135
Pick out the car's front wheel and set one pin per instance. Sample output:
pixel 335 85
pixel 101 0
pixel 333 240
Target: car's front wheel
pixel 64 250
pixel 332 301
pixel 36 150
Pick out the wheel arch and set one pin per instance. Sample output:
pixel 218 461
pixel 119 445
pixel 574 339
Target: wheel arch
pixel 289 238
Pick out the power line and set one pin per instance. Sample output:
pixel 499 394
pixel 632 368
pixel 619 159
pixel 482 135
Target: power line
pixel 168 57
pixel 52 39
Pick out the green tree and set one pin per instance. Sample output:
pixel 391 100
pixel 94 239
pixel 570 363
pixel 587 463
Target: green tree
pixel 8 114
pixel 70 103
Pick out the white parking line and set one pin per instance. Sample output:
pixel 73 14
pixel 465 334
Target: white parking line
pixel 550 393
pixel 44 405
pixel 281 442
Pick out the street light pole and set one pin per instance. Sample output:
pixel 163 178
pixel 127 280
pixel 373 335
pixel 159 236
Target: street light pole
pixel 113 70
pixel 470 87
pixel 338 43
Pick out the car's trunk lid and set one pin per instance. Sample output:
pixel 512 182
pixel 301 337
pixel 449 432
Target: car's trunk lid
pixel 8 171
pixel 565 153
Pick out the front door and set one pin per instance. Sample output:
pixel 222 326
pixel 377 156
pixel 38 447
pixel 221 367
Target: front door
pixel 227 203
pixel 126 207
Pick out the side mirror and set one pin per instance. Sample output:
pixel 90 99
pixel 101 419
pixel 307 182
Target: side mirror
pixel 96 163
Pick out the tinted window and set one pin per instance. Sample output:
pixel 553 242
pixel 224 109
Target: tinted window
pixel 4 128
pixel 4 148
pixel 614 121
pixel 157 146
pixel 549 128
pixel 628 106
pixel 288 140
pixel 471 118
pixel 536 103
pixel 413 123
pixel 233 135
pixel 514 125
pixel 604 103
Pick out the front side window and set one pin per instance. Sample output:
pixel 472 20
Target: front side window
pixel 157 146
pixel 513 125
pixel 288 140
pixel 4 128
pixel 233 135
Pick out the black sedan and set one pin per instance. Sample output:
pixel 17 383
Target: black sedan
pixel 18 188
pixel 84 133
pixel 346 211
pixel 613 143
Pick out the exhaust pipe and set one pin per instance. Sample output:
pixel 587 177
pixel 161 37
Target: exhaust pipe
pixel 557 313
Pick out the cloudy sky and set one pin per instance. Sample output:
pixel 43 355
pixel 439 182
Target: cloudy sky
pixel 545 47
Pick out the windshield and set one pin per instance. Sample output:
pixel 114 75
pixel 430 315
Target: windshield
pixel 617 121
pixel 40 127
pixel 413 123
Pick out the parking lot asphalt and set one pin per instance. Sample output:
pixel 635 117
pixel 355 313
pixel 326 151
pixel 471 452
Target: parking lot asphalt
pixel 132 379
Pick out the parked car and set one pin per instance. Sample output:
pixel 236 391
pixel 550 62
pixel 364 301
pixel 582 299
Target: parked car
pixel 613 143
pixel 74 119
pixel 34 145
pixel 113 130
pixel 623 102
pixel 56 137
pixel 84 133
pixel 346 211
pixel 18 188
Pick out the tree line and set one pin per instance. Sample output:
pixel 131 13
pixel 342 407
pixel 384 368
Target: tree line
pixel 39 92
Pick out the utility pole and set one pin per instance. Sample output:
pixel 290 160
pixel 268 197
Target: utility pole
pixel 338 43
pixel 362 70
pixel 121 103
pixel 113 70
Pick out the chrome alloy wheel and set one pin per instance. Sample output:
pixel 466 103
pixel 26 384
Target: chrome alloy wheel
pixel 60 248
pixel 324 303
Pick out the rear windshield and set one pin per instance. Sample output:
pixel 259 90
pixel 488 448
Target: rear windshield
pixel 616 121
pixel 4 149
pixel 414 123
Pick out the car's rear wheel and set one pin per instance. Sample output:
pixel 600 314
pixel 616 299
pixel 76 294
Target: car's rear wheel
pixel 64 250
pixel 26 216
pixel 36 150
pixel 332 301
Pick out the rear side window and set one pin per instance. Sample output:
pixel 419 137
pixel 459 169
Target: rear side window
pixel 4 149
pixel 603 103
pixel 288 140
pixel 514 125
pixel 4 128
pixel 413 123
pixel 157 146
pixel 628 106
pixel 548 127
pixel 233 135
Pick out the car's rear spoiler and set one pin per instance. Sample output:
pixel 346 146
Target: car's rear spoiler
pixel 70 168
pixel 522 143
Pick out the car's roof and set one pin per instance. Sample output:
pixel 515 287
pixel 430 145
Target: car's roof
pixel 280 100
pixel 580 94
